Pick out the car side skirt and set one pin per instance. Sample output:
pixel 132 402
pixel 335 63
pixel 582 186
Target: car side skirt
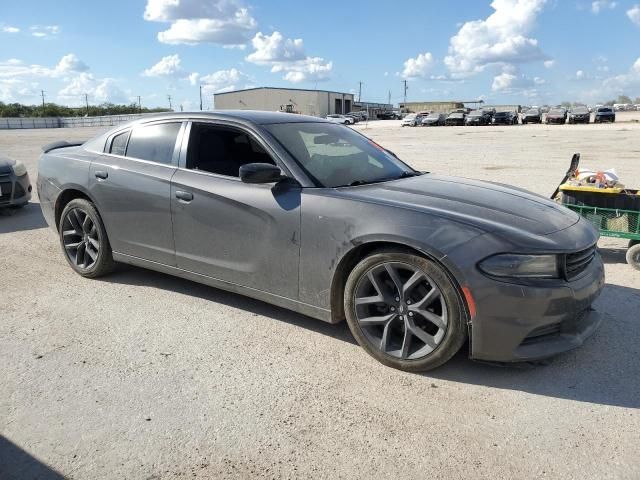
pixel 289 304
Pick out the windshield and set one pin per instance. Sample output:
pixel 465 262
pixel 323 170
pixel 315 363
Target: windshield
pixel 580 110
pixel 556 111
pixel 604 110
pixel 411 116
pixel 335 156
pixel 456 115
pixel 433 116
pixel 476 113
pixel 533 111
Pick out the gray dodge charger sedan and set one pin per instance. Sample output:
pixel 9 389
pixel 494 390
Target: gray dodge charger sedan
pixel 315 217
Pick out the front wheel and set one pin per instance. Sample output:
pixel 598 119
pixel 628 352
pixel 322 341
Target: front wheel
pixel 633 254
pixel 404 311
pixel 84 239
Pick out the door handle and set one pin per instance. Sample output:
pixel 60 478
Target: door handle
pixel 185 196
pixel 101 174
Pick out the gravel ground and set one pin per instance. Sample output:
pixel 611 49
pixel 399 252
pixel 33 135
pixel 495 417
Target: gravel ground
pixel 140 375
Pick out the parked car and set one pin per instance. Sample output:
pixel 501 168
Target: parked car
pixel 556 115
pixel 604 114
pixel 579 115
pixel 362 115
pixel 15 186
pixel 255 202
pixel 434 119
pixel 505 118
pixel 355 118
pixel 411 120
pixel 343 119
pixel 532 115
pixel 455 118
pixel 388 116
pixel 479 117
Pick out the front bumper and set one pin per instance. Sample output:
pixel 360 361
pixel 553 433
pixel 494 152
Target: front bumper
pixel 14 191
pixel 518 322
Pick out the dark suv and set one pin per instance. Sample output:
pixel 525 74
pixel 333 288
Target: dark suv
pixel 605 114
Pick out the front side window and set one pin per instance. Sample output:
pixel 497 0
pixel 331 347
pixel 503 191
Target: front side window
pixel 155 143
pixel 222 150
pixel 335 156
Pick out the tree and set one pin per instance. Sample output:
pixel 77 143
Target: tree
pixel 624 99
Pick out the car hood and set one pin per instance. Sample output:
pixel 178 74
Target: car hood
pixel 490 206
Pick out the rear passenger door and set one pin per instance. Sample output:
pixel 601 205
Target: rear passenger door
pixel 131 184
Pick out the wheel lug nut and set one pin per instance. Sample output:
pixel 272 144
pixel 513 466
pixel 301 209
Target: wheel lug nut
pixel 401 317
pixel 397 299
pixel 411 314
pixel 393 309
pixel 408 302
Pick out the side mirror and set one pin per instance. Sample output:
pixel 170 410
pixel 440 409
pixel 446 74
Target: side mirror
pixel 260 173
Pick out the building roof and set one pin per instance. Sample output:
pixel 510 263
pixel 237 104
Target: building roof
pixel 281 88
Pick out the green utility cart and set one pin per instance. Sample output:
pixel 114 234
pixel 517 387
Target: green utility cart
pixel 615 212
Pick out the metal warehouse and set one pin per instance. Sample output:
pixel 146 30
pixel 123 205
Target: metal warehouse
pixel 293 100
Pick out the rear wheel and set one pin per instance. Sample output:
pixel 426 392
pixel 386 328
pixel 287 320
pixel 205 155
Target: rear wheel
pixel 84 239
pixel 404 311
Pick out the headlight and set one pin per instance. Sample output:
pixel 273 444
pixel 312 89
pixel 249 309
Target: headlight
pixel 521 266
pixel 19 169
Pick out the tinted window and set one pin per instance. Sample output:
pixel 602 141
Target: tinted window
pixel 155 143
pixel 119 143
pixel 223 150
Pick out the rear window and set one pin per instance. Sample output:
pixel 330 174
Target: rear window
pixel 604 110
pixel 155 143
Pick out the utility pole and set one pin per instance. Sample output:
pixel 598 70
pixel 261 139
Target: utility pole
pixel 86 101
pixel 389 102
pixel 139 105
pixel 405 92
pixel 360 92
pixel 200 97
pixel 42 94
pixel 170 107
pixel 213 101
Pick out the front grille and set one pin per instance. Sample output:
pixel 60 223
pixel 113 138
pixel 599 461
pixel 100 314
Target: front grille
pixel 5 190
pixel 576 263
pixel 542 333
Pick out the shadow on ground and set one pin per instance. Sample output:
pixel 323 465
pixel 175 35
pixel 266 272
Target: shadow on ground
pixel 28 217
pixel 16 464
pixel 605 370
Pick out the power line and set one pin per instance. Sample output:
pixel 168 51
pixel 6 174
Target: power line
pixel 169 97
pixel 139 104
pixel 200 97
pixel 86 101
pixel 360 92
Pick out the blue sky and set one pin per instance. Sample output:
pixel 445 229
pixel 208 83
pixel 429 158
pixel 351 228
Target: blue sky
pixel 506 51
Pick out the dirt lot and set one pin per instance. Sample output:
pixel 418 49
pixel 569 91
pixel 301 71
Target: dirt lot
pixel 140 375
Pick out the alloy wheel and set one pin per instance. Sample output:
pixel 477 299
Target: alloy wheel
pixel 80 238
pixel 400 310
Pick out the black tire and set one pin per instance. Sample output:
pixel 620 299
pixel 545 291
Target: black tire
pixel 633 254
pixel 75 229
pixel 447 306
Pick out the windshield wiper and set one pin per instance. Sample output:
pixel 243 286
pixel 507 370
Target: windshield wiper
pixel 407 174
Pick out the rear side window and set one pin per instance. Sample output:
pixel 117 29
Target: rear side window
pixel 155 143
pixel 119 144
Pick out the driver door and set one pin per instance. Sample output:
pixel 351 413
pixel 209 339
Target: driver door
pixel 245 234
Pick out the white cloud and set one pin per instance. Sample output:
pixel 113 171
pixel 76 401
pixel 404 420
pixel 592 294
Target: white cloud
pixel 223 81
pixel 10 29
pixel 418 67
pixel 634 14
pixel 500 39
pixel 193 78
pixel 225 22
pixel 285 55
pixel 580 75
pixel 503 81
pixel 599 5
pixel 71 63
pixel 275 48
pixel 46 31
pixel 511 81
pixel 549 63
pixel 100 90
pixel 623 84
pixel 167 67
